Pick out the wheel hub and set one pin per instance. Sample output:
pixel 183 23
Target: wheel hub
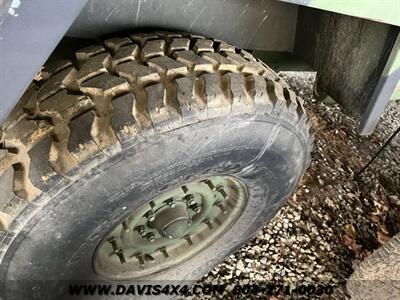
pixel 172 222
pixel 170 228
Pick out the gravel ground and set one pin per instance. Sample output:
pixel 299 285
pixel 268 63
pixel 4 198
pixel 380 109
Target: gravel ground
pixel 333 221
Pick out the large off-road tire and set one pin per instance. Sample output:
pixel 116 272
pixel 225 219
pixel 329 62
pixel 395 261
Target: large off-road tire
pixel 378 276
pixel 128 120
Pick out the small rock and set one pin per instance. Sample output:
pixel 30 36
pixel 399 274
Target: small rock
pixel 240 266
pixel 395 200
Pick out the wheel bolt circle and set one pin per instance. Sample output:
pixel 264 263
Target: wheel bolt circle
pixel 172 217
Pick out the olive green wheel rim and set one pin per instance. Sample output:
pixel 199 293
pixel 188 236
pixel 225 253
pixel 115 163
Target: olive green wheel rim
pixel 170 228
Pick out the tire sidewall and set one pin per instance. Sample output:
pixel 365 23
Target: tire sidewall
pixel 267 156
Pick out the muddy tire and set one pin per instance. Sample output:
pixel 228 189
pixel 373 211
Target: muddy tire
pixel 126 120
pixel 378 276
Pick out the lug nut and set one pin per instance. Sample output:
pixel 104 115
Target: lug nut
pixel 195 207
pixel 185 189
pixel 209 184
pixel 125 226
pixel 208 223
pixel 113 243
pixel 170 202
pixel 164 252
pixel 188 240
pixel 221 190
pixel 141 230
pixel 150 216
pixel 139 258
pixel 121 256
pixel 190 199
pixel 150 237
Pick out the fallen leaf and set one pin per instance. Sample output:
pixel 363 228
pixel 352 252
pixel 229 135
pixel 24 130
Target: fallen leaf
pixel 383 237
pixel 39 75
pixel 350 230
pixel 382 227
pixel 351 243
pixel 378 212
pixel 383 234
pixel 373 218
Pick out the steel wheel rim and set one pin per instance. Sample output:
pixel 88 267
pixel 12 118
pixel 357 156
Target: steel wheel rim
pixel 170 228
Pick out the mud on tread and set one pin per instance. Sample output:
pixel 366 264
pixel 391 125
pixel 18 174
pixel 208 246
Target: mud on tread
pixel 154 73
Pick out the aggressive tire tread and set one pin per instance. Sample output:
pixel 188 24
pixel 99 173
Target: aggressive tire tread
pixel 170 79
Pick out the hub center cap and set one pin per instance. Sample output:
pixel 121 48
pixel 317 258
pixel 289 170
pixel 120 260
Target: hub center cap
pixel 172 222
